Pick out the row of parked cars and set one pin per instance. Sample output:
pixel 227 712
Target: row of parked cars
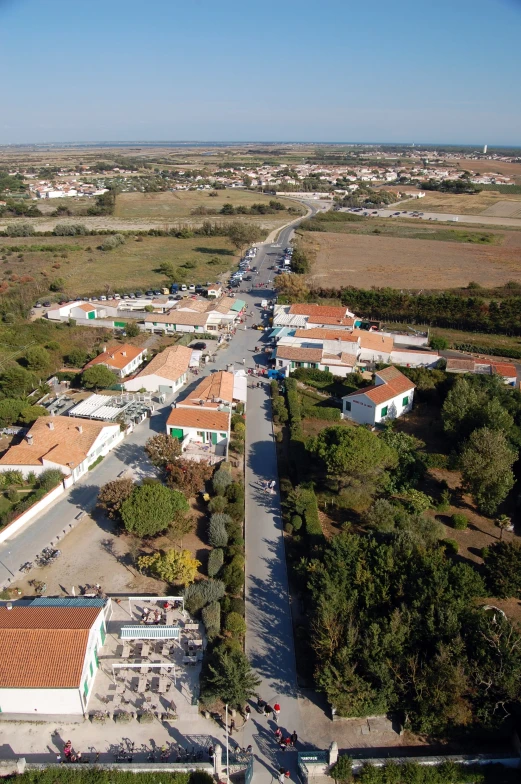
pixel 245 266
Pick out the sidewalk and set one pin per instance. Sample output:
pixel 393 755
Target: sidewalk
pixel 269 639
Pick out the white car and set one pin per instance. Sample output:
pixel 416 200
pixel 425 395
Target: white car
pixel 191 287
pixel 183 287
pixel 117 296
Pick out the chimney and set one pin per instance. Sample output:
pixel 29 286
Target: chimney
pixel 9 606
pixel 123 353
pixel 103 349
pixel 29 439
pixel 50 425
pixel 80 429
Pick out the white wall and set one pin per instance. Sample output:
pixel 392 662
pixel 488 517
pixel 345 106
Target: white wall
pixel 395 407
pixel 362 410
pixel 152 383
pixel 370 355
pixel 35 509
pixel 43 701
pixel 414 358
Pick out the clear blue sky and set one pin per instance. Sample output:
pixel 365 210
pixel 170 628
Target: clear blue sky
pixel 336 70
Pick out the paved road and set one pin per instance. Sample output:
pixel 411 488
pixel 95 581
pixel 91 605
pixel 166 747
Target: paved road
pixel 482 220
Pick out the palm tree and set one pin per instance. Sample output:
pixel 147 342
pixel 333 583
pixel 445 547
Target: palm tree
pixel 502 522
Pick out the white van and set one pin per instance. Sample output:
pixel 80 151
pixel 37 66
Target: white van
pixel 264 303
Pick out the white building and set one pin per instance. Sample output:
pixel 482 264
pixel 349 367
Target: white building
pixel 122 360
pixel 49 656
pixel 66 443
pixel 390 396
pixel 165 373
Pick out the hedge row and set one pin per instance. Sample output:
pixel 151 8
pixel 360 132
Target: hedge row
pixel 495 351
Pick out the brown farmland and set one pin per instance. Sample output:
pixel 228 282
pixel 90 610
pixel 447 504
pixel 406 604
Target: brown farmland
pixel 367 261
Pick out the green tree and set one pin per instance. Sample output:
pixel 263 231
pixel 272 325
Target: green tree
pixel 132 329
pixel 77 358
pixel 151 509
pixel 486 468
pixel 30 414
pixel 113 494
pixel 502 522
pixel 352 452
pixel 235 624
pixel 228 677
pixel 503 570
pixel 471 404
pixel 172 566
pixel 189 476
pixel 98 377
pixel 242 234
pixel 16 382
pixel 162 449
pixel 58 284
pixel 439 343
pixel 221 480
pixel 342 770
pixel 10 411
pixel 37 358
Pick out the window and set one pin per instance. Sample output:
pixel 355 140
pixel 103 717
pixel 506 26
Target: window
pixel 405 401
pixel 384 410
pixel 91 668
pixel 347 405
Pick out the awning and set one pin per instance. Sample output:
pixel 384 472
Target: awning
pixel 151 632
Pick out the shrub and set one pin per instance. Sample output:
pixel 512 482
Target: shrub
pixel 445 501
pixel 215 562
pixel 146 718
pixel 296 522
pixel 217 533
pixel 459 521
pixel 323 412
pixel 50 479
pixel 221 480
pixel 280 412
pixel 218 504
pixel 70 230
pixel 451 545
pixel 233 575
pixel 198 595
pixel 435 460
pixel 19 230
pixel 233 604
pixel 211 616
pixel 288 528
pixel 342 770
pixel 235 624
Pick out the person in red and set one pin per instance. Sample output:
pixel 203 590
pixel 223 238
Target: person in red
pixel 276 711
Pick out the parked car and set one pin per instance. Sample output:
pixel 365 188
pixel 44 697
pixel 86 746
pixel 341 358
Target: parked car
pixel 199 346
pixel 191 287
pixel 183 287
pixel 150 294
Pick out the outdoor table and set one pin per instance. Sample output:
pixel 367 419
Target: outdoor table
pixel 125 652
pixel 169 617
pixel 192 626
pixel 163 685
pixel 165 650
pixel 142 685
pixel 143 669
pixel 145 649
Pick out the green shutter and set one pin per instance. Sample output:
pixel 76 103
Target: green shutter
pixel 214 438
pixel 86 689
pixel 384 410
pixel 91 668
pixel 405 401
pixel 348 405
pixel 103 633
pixel 91 315
pixel 177 432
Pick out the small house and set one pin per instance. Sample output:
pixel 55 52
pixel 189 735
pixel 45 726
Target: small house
pixel 390 396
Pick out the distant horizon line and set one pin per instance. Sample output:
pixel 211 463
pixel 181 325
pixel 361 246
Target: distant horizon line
pixel 228 143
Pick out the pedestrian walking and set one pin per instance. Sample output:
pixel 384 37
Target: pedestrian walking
pixel 267 710
pixel 278 734
pixel 260 704
pixel 276 707
pixel 282 775
pixel 232 726
pixel 294 738
pixel 272 488
pixel 247 712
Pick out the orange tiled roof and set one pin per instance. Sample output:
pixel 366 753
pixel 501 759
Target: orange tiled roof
pixel 170 363
pixel 299 354
pixel 326 311
pixel 44 647
pixel 331 320
pixel 460 364
pixel 316 333
pixel 200 418
pixel 86 308
pixel 118 357
pixel 504 369
pixel 216 386
pixel 374 341
pixel 64 444
pixel 395 383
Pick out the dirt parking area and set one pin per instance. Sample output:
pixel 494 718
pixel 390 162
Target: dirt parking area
pixel 365 261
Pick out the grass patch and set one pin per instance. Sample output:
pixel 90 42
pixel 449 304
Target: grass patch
pixel 463 204
pixel 400 228
pixel 172 206
pixel 459 336
pixel 88 271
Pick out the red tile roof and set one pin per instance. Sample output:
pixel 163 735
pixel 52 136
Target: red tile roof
pixel 44 647
pixel 118 357
pixel 327 311
pixel 200 418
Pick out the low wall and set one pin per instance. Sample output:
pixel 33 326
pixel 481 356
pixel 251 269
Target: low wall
pixel 33 510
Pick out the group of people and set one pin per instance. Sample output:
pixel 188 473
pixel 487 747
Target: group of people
pixel 151 616
pixel 68 754
pixel 269 487
pixel 286 742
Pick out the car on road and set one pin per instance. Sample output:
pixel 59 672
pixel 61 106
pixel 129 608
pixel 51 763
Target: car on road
pixel 260 327
pixel 199 346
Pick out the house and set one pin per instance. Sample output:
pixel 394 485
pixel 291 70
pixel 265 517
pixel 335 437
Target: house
pixel 215 291
pixel 312 316
pixel 123 360
pixel 165 373
pixel 506 370
pixel 374 346
pixel 62 442
pixel 202 421
pixel 338 362
pixel 177 321
pixel 389 397
pixel 76 310
pixel 49 656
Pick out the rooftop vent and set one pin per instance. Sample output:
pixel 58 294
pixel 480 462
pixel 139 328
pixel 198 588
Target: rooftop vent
pixel 50 425
pixel 29 439
pixel 80 429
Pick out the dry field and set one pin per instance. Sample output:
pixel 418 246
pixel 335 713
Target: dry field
pixel 366 261
pixel 495 167
pixel 504 209
pixel 131 266
pixel 460 204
